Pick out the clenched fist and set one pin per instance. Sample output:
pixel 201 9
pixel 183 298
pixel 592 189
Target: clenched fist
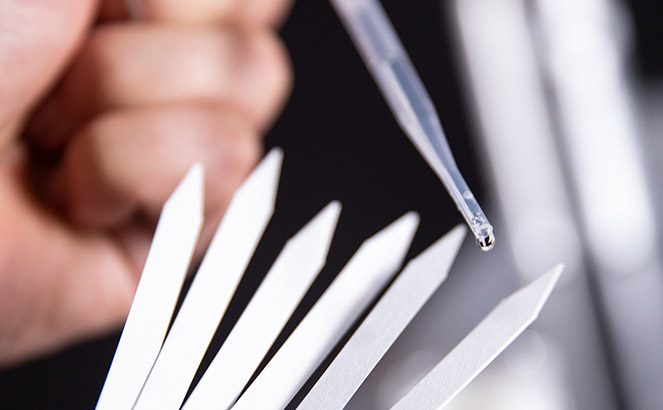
pixel 104 105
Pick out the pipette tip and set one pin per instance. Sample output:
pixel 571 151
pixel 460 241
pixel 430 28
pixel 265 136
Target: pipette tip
pixel 486 240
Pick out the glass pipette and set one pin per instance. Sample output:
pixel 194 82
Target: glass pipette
pixel 385 57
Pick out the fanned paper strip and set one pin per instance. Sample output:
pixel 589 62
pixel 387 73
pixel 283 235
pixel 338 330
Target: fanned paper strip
pixel 159 287
pixel 481 346
pixel 266 314
pixel 148 372
pixel 420 278
pixel 212 289
pixel 350 293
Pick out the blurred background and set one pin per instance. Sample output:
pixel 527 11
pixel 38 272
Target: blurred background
pixel 554 111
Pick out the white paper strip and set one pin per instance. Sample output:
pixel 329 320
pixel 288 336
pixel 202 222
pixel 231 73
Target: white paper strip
pixel 269 310
pixel 419 280
pixel 481 346
pixel 349 294
pixel 159 287
pixel 213 287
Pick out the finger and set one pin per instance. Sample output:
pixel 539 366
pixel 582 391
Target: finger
pixel 56 286
pixel 113 11
pixel 247 12
pixel 127 163
pixel 141 64
pixel 37 39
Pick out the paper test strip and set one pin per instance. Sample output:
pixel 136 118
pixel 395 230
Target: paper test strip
pixel 356 286
pixel 213 287
pixel 481 346
pixel 303 256
pixel 266 314
pixel 159 287
pixel 420 278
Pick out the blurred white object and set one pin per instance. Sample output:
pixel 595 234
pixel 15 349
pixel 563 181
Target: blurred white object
pixel 544 69
pixel 584 52
pixel 585 65
pixel 518 138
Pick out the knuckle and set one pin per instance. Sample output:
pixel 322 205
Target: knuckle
pixel 265 12
pixel 272 74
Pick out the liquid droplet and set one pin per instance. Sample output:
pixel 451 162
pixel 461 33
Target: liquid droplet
pixel 486 242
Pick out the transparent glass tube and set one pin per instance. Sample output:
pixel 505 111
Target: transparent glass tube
pixel 385 57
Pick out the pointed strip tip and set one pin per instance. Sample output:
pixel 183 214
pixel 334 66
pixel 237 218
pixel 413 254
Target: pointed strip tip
pixel 397 236
pixel 443 251
pixel 540 289
pixel 406 224
pixel 323 224
pixel 550 280
pixel 274 157
pixel 190 190
pixel 333 208
pixel 265 176
pixel 457 234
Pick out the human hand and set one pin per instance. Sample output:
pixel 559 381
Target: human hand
pixel 100 117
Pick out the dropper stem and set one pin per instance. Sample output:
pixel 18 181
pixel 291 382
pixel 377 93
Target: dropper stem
pixel 386 59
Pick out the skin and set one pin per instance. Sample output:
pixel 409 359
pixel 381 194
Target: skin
pixel 104 107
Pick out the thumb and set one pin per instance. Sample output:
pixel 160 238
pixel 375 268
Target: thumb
pixel 57 286
pixel 36 39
